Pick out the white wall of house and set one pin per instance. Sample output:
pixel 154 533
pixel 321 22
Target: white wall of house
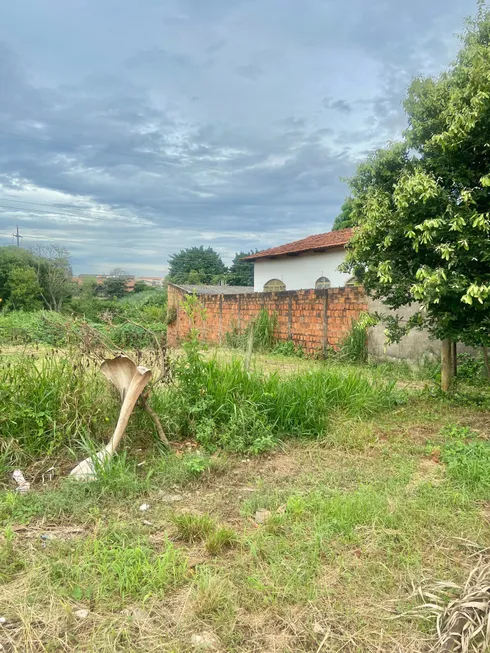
pixel 301 272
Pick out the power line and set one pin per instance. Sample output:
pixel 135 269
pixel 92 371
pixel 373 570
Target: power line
pixel 78 242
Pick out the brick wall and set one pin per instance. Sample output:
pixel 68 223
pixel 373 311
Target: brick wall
pixel 313 319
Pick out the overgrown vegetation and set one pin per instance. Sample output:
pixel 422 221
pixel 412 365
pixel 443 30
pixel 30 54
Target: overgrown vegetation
pixel 224 405
pixel 125 322
pixel 262 329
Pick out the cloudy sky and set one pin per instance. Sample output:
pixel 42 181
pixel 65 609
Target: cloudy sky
pixel 130 129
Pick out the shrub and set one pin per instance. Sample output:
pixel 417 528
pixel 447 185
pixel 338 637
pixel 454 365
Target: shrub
pixel 39 327
pixel 354 347
pixel 470 368
pixel 52 401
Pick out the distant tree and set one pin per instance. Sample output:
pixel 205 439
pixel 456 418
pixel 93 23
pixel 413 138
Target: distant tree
pixel 54 274
pixel 23 289
pixel 140 286
pixel 12 257
pixel 241 272
pixel 114 287
pixel 119 272
pixel 346 217
pixel 89 287
pixel 203 263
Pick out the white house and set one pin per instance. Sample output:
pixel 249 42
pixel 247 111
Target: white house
pixel 308 263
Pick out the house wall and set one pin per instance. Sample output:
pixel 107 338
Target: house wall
pixel 301 272
pixel 314 319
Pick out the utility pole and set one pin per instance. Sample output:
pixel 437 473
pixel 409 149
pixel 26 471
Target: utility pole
pixel 17 236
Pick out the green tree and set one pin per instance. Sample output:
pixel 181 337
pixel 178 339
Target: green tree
pixel 140 286
pixel 203 263
pixel 424 205
pixel 114 287
pixel 89 287
pixel 23 289
pixel 346 217
pixel 54 274
pixel 241 272
pixel 10 258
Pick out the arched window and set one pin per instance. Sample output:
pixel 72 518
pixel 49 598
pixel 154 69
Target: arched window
pixel 322 283
pixel 351 283
pixel 274 285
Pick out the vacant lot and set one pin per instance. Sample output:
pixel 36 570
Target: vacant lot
pixel 317 544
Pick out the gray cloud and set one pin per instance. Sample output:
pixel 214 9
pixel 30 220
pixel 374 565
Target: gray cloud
pixel 129 134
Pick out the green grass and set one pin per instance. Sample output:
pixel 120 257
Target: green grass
pixel 223 405
pixel 220 540
pixel 47 405
pixel 370 491
pixel 351 528
pixel 114 568
pixel 192 527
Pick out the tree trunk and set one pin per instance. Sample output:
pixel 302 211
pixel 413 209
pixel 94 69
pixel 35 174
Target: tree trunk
pixel 446 366
pixel 454 354
pixel 487 362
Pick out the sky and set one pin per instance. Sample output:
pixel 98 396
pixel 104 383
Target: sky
pixel 132 129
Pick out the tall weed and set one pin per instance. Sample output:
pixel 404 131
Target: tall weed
pixel 223 405
pixel 52 401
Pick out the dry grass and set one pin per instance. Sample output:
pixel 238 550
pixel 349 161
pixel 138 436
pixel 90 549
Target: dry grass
pixel 462 612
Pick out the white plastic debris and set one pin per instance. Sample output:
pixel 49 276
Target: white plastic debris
pixel 144 507
pixel 262 515
pixel 81 614
pixel 206 641
pixel 23 486
pixel 3 620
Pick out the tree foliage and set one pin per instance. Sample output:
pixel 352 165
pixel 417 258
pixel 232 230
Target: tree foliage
pixel 10 258
pixel 24 289
pixel 423 205
pixel 114 287
pixel 241 272
pixel 140 286
pixel 197 265
pixel 54 274
pixel 52 269
pixel 346 217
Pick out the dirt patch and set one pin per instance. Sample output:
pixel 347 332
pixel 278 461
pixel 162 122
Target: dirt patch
pixel 428 471
pixel 281 466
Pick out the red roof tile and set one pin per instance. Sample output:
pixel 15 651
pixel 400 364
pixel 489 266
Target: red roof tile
pixel 312 243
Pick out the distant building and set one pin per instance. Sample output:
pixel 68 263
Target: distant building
pixel 152 282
